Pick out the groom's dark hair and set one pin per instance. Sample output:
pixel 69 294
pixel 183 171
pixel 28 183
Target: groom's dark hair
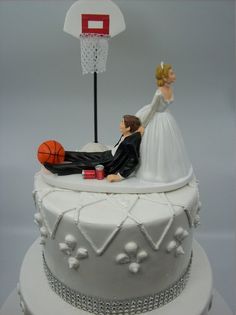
pixel 132 121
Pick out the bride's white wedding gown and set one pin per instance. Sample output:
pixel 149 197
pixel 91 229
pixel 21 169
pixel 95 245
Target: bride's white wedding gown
pixel 163 157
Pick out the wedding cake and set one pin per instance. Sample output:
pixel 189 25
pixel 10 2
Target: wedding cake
pixel 123 244
pixel 114 253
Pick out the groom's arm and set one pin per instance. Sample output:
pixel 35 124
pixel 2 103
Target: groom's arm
pixel 115 178
pixel 130 164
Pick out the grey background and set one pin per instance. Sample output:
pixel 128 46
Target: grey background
pixel 43 95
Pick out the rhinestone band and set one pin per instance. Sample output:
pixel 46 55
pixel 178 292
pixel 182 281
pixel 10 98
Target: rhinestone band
pixel 131 306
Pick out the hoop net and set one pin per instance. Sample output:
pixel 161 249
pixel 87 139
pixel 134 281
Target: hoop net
pixel 94 52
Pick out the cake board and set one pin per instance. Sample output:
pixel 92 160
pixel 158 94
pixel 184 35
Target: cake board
pixel 12 307
pixel 40 299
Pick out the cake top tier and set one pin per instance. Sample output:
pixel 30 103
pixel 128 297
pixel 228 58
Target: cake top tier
pixel 114 208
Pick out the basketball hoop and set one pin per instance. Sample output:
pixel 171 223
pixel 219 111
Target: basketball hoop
pixel 94 52
pixel 94 42
pixel 94 22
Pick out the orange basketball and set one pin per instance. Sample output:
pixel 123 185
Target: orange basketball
pixel 51 152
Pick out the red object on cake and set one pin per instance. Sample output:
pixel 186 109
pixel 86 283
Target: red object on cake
pixel 89 174
pixel 99 172
pixel 51 152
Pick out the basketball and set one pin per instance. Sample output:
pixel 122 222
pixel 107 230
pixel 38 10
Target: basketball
pixel 51 152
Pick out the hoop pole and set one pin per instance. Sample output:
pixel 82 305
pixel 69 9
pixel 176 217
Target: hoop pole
pixel 95 108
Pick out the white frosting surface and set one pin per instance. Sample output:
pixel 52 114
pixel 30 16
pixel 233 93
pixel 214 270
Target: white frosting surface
pixel 107 244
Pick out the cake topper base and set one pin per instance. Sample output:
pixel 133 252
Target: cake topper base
pixel 129 185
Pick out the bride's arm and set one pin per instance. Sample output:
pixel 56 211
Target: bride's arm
pixel 146 115
pixel 141 130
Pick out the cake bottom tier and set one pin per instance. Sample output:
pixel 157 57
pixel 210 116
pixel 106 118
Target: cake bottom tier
pixel 37 298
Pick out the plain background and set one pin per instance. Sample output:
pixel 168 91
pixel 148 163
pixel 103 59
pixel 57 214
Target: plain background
pixel 43 95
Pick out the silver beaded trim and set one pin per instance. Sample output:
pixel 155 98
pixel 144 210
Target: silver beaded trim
pixel 131 306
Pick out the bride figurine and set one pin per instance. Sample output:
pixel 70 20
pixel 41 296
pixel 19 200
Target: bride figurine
pixel 163 158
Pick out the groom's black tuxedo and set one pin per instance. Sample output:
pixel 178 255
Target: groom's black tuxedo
pixel 124 161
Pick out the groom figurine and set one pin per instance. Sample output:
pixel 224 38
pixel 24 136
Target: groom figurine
pixel 118 163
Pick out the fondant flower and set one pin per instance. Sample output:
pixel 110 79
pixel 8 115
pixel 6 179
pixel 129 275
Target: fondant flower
pixel 197 221
pixel 81 253
pixel 70 241
pixel 73 263
pixel 38 220
pixel 22 304
pixel 68 247
pixel 65 249
pixel 132 256
pixel 176 244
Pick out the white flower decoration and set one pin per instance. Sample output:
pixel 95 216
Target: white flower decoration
pixel 22 304
pixel 38 220
pixel 197 221
pixel 68 248
pixel 132 256
pixel 176 244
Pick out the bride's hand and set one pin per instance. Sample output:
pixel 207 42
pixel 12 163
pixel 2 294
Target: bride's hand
pixel 141 129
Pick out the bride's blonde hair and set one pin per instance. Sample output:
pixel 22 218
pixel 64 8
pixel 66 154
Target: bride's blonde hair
pixel 162 73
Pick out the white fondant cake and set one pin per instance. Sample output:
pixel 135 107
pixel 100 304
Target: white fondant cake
pixel 115 247
pixel 118 248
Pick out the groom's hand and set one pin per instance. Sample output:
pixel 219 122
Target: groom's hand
pixel 114 178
